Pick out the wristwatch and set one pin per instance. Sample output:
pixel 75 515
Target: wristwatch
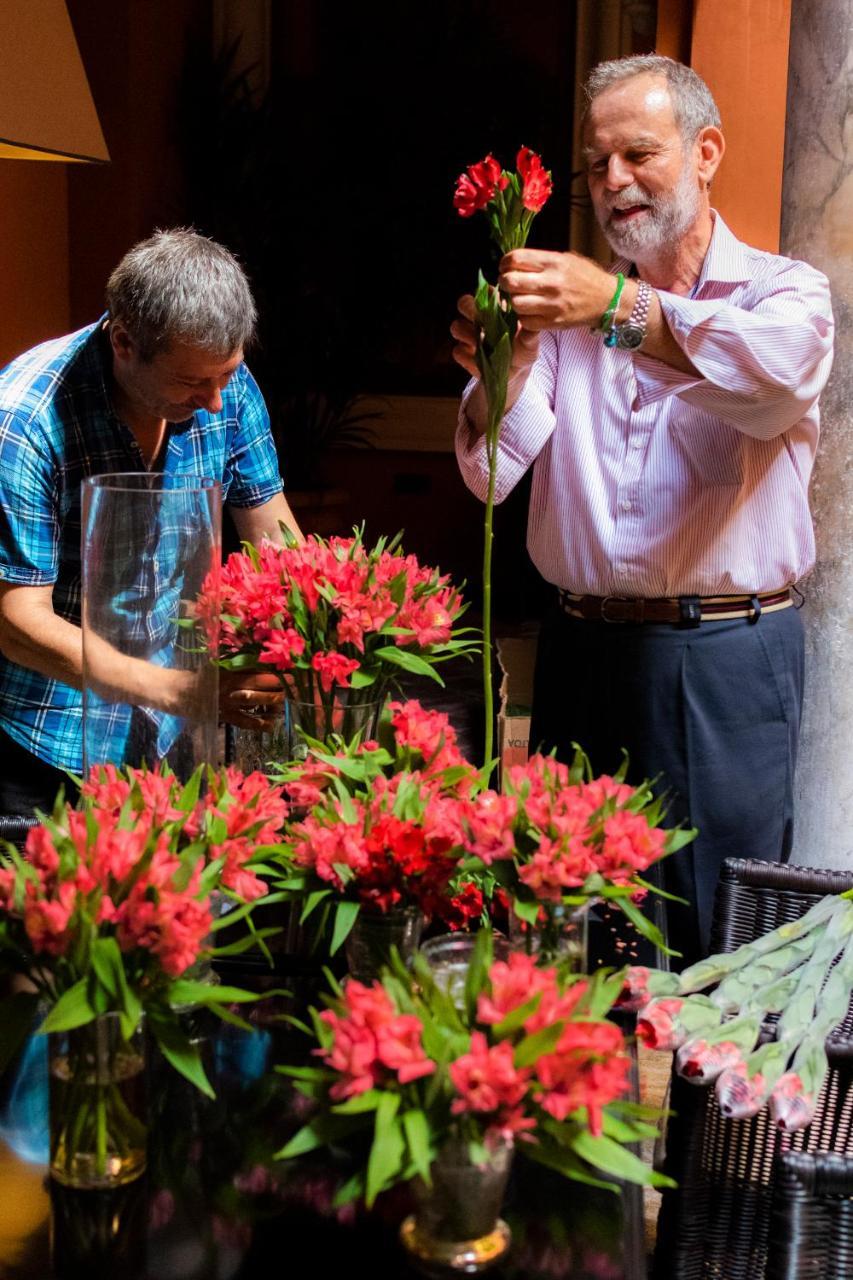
pixel 630 334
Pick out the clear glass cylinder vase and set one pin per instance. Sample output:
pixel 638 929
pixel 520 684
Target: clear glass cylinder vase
pixel 369 942
pixel 342 714
pixel 150 689
pixel 561 935
pixel 457 1223
pixel 97 1104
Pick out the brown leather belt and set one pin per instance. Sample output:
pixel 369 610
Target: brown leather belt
pixel 687 611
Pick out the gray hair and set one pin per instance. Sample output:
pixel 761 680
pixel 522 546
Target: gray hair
pixel 180 286
pixel 692 103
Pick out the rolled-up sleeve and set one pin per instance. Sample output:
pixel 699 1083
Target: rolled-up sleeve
pixel 762 367
pixel 252 474
pixel 525 429
pixel 29 526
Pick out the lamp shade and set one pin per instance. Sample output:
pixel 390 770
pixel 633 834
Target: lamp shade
pixel 46 109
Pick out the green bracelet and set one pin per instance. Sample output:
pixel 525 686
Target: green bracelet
pixel 607 318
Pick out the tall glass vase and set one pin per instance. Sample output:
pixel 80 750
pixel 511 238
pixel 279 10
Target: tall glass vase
pixel 97 1104
pixel 150 691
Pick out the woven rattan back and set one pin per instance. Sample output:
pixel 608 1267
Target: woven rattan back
pixel 15 828
pixel 811 1223
pixel 716 1225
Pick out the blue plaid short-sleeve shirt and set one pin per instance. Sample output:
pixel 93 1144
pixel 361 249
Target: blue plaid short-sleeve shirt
pixel 58 426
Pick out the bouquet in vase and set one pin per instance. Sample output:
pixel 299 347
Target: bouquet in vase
pixel 336 622
pixel 442 1089
pixel 378 854
pixel 555 839
pixel 107 917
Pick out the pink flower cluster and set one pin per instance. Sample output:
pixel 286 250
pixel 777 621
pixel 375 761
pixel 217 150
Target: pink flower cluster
pixel 373 1045
pixel 324 607
pixel 561 831
pixel 371 1040
pixel 398 840
pixel 117 865
pixel 587 1068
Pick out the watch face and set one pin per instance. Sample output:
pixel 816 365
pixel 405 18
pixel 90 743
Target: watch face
pixel 631 336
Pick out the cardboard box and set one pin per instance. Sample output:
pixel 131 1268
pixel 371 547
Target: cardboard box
pixel 517 656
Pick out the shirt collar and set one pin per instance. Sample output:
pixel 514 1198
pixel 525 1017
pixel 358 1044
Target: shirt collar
pixel 725 260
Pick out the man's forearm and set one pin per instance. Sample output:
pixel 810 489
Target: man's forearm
pixel 33 636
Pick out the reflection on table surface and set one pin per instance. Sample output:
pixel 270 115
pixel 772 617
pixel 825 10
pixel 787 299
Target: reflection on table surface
pixel 215 1205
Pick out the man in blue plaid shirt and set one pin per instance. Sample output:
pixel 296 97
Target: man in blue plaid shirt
pixel 158 384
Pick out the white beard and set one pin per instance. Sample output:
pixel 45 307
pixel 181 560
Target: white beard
pixel 669 216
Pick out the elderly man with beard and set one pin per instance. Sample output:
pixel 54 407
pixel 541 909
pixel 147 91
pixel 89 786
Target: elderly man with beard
pixel 671 424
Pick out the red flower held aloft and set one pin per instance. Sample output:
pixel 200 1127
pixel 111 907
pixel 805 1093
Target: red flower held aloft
pixel 536 180
pixel 477 186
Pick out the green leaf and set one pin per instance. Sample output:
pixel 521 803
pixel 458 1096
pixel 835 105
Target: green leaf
pixel 361 1102
pixel 535 1046
pixel 644 925
pixel 605 1154
pixel 518 1016
pixel 180 1052
pixel 183 992
pixel 17 1013
pixel 478 968
pixel 345 916
pixel 408 661
pixel 313 900
pixel 526 911
pixel 564 1161
pixel 416 1129
pixel 388 1148
pixel 72 1009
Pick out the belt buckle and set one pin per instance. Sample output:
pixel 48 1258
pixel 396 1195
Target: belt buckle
pixel 616 599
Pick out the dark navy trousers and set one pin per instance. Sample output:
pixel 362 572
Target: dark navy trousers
pixel 711 712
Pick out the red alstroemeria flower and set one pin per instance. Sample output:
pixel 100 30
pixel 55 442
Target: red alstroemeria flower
pixel 536 180
pixel 477 186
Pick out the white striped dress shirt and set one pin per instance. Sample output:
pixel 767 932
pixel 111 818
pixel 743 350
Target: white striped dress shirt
pixel 651 482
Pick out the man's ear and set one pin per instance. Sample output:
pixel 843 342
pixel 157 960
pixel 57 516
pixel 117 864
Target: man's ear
pixel 712 146
pixel 123 345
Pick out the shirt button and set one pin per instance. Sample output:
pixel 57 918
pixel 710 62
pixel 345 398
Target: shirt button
pixel 621 568
pixel 636 444
pixel 624 505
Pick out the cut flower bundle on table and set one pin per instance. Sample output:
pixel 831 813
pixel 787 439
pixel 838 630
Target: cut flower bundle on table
pixel 406 820
pixel 557 838
pixel 761 1033
pixel 529 1058
pixel 385 829
pixel 331 615
pixel 109 907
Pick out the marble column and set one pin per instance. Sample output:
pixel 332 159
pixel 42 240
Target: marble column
pixel 817 226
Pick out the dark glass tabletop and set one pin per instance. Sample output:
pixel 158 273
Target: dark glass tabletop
pixel 214 1204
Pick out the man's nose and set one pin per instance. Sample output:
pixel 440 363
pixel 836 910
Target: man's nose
pixel 619 173
pixel 211 400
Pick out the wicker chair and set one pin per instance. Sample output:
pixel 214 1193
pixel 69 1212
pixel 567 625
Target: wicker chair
pixel 717 1224
pixel 14 828
pixel 811 1223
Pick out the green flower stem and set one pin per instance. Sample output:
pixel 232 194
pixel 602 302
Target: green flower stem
pixel 488 537
pixel 100 1132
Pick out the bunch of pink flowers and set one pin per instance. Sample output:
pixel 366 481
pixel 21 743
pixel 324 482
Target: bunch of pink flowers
pixel 530 1056
pixel 109 905
pixel 386 827
pixel 556 835
pixel 326 615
